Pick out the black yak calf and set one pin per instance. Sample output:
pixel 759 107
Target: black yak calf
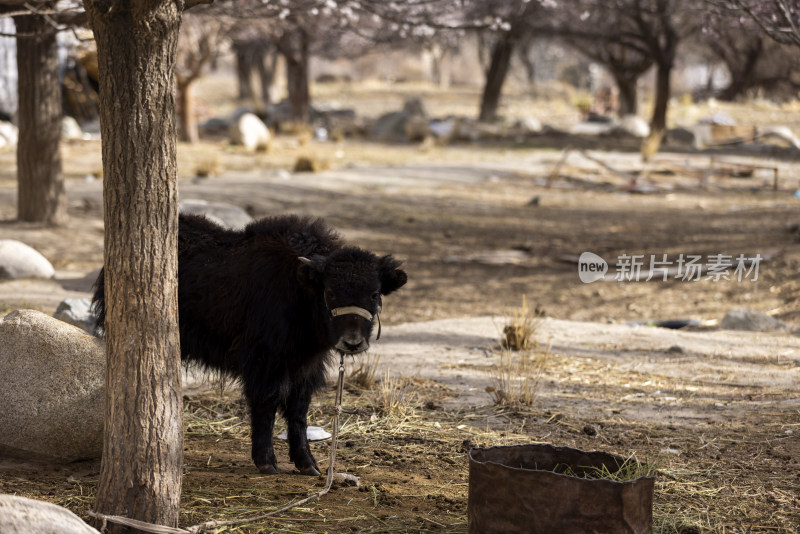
pixel 267 305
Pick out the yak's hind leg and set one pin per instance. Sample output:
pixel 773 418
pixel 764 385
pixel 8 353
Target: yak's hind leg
pixel 295 409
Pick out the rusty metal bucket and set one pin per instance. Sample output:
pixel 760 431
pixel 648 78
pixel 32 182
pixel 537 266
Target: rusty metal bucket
pixel 515 489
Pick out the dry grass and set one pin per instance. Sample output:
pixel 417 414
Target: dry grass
pixel 414 459
pixel 521 363
pixel 515 378
pixel 521 326
pixel 208 166
pixel 363 377
pixel 392 398
pixel 630 469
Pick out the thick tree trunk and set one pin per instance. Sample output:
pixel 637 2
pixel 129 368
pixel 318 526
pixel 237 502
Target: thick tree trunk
pixel 140 473
pixel 658 122
pixel 244 69
pixel 742 73
pixel 40 179
pixel 628 94
pixel 267 74
pixel 528 63
pixel 495 78
pixel 186 112
pixel 294 47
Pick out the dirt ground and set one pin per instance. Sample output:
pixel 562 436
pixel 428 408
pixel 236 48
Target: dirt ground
pixel 717 411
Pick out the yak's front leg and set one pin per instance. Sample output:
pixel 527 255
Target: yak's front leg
pixel 295 410
pixel 262 415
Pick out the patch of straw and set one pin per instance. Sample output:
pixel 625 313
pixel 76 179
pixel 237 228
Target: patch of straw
pixel 392 396
pixel 514 380
pixel 363 377
pixel 521 325
pixel 630 469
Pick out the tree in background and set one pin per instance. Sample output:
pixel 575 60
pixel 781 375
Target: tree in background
pixel 753 60
pixel 650 29
pixel 780 19
pixel 510 24
pixel 200 37
pixel 41 195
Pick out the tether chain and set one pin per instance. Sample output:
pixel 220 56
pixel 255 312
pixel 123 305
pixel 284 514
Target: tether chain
pixel 196 529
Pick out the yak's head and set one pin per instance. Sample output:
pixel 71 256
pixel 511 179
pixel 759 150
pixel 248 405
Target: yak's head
pixel 350 282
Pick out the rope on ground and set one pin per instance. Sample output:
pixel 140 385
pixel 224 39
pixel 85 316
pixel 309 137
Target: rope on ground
pixel 202 527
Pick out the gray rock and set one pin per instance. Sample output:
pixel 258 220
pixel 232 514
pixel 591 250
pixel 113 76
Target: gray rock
pixel 70 129
pixel 52 381
pixel 18 260
pixel 680 136
pixel 402 125
pixel 751 320
pixel 226 215
pixel 77 312
pixel 634 126
pixel 530 125
pixel 19 515
pixel 9 134
pixel 250 132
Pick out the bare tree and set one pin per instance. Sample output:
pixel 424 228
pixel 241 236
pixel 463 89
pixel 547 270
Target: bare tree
pixel 40 180
pixel 647 29
pixel 511 23
pixel 200 36
pixel 41 196
pixel 140 473
pixel 780 19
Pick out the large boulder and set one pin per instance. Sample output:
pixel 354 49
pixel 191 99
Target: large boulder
pixel 634 126
pixel 70 129
pixel 250 132
pixel 751 320
pixel 9 134
pixel 410 124
pixel 77 312
pixel 19 515
pixel 18 260
pixel 52 378
pixel 226 215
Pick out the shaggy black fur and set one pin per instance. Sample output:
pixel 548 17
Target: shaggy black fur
pixel 250 308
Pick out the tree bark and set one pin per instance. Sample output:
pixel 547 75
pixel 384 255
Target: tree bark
pixel 40 180
pixel 628 94
pixel 658 122
pixel 140 473
pixel 743 73
pixel 186 112
pixel 294 47
pixel 495 78
pixel 244 69
pixel 267 74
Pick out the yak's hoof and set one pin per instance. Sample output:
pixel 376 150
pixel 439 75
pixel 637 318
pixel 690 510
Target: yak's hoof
pixel 311 471
pixel 267 469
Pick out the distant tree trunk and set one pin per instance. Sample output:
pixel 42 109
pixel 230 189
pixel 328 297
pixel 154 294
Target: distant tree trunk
pixel 40 179
pixel 267 74
pixel 496 77
pixel 186 111
pixel 658 122
pixel 742 72
pixel 527 62
pixel 245 62
pixel 294 47
pixel 628 93
pixel 140 473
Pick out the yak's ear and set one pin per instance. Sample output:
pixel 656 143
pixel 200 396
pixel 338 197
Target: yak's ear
pixel 392 277
pixel 310 269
